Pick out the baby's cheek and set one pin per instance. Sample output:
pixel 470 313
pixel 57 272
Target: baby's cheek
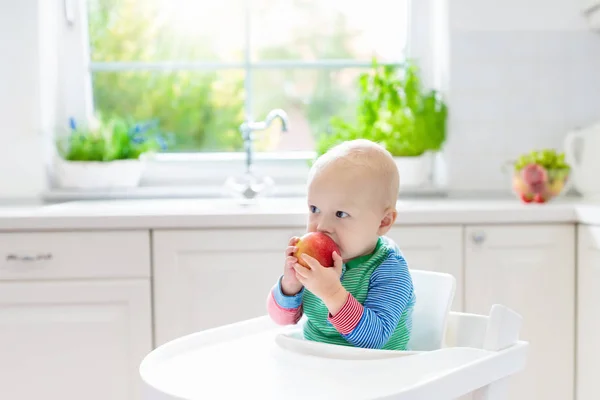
pixel 345 246
pixel 352 243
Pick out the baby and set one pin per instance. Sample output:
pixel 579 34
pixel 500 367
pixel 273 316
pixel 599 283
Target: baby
pixel 366 299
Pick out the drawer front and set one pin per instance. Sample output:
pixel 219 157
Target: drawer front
pixel 72 255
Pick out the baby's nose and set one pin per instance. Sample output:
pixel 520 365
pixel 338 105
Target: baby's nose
pixel 325 226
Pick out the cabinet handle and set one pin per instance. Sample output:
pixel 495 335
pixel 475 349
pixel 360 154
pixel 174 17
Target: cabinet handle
pixel 478 237
pixel 39 257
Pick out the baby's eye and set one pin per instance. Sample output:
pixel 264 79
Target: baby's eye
pixel 341 214
pixel 314 209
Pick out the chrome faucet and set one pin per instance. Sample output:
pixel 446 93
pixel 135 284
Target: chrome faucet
pixel 247 128
pixel 250 186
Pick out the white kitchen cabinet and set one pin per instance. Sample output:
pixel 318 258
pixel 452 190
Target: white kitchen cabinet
pixel 530 268
pixel 208 278
pixel 588 313
pixel 434 248
pixel 73 340
pixel 75 314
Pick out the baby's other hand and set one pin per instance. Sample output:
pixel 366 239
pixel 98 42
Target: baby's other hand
pixel 322 281
pixel 290 285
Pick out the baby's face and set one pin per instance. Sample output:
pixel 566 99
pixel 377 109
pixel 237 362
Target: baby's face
pixel 341 206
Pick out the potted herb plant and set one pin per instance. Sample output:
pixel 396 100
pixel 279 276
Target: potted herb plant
pixel 105 153
pixel 395 111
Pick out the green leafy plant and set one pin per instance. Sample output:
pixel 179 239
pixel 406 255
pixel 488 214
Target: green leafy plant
pixel 395 111
pixel 112 138
pixel 550 159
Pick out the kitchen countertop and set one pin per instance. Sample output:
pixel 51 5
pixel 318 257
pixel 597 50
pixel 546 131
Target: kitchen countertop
pixel 276 212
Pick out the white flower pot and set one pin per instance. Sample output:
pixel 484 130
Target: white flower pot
pixel 97 174
pixel 416 171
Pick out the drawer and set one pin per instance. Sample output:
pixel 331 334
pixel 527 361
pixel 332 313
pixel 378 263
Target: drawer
pixel 73 255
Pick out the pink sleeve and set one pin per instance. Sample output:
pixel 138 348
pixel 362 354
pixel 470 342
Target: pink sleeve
pixel 280 315
pixel 348 317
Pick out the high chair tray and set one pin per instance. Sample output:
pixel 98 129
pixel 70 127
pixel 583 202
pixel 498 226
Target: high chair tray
pixel 293 341
pixel 246 360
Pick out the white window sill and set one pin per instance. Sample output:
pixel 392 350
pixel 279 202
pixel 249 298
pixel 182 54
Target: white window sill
pixel 202 175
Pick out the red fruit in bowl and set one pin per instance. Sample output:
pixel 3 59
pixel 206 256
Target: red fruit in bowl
pixel 526 198
pixel 538 198
pixel 317 245
pixel 534 174
pixel 537 187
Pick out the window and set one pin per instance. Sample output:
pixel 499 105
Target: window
pixel 203 67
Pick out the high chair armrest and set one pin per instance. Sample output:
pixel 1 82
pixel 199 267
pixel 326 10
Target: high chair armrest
pixel 498 330
pixel 465 330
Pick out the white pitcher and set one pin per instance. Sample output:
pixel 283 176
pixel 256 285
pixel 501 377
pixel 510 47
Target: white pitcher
pixel 585 163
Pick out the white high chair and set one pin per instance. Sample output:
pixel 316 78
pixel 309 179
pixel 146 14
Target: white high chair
pixel 451 355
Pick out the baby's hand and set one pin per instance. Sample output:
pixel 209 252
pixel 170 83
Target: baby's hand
pixel 322 281
pixel 290 285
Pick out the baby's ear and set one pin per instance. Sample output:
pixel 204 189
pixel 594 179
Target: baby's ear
pixel 388 220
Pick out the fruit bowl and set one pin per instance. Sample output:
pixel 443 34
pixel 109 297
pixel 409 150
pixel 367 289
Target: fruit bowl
pixel 549 185
pixel 539 177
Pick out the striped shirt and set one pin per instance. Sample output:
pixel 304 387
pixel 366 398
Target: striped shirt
pixel 376 314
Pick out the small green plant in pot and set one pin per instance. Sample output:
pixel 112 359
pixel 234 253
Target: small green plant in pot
pixel 110 139
pixel 396 111
pixel 106 152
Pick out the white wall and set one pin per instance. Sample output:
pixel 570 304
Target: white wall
pixel 21 171
pixel 522 73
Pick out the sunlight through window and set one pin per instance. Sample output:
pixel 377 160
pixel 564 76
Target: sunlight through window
pixel 199 67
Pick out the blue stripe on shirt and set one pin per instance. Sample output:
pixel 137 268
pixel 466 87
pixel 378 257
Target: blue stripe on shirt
pixel 390 292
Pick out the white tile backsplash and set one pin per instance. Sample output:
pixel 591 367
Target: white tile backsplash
pixel 516 15
pixel 515 74
pixel 475 156
pixel 514 91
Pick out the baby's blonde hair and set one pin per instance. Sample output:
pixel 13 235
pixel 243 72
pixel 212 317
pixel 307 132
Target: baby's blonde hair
pixel 369 157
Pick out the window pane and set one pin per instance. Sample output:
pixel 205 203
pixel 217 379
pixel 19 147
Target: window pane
pixel 328 29
pixel 165 30
pixel 309 96
pixel 203 110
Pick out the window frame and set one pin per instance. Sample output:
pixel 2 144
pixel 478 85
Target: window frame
pixel 204 174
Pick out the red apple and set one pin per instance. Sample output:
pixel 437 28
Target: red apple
pixel 534 174
pixel 317 245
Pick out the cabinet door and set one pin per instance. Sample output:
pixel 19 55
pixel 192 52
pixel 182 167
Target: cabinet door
pixel 208 278
pixel 588 313
pixel 531 269
pixel 73 340
pixel 434 248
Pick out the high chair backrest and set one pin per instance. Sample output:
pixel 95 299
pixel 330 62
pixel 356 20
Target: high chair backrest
pixel 434 295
